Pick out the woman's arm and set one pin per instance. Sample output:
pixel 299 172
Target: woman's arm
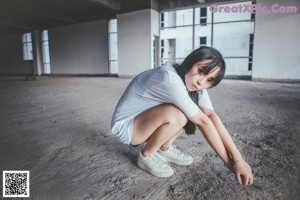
pixel 219 139
pixel 211 135
pixel 225 137
pixel 241 169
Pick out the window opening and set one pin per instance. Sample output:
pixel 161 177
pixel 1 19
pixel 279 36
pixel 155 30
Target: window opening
pixel 162 20
pixel 203 41
pixel 203 16
pixel 46 52
pixel 27 46
pixel 113 46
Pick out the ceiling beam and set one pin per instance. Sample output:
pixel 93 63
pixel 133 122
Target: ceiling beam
pixel 111 4
pixel 14 25
pixel 63 19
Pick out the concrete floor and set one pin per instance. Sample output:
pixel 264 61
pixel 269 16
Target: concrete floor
pixel 59 129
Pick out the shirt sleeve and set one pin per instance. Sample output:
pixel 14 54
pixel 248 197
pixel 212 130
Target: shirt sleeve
pixel 171 89
pixel 204 100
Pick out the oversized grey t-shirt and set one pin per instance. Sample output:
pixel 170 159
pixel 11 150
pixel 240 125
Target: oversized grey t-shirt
pixel 154 87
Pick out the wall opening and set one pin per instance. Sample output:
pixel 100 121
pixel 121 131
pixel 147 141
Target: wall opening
pixel 113 46
pixel 46 52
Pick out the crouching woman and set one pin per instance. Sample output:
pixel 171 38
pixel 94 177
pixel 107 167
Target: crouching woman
pixel 160 103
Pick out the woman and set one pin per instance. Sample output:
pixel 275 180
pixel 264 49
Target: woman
pixel 159 103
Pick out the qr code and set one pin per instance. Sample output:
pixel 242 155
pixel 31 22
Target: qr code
pixel 15 183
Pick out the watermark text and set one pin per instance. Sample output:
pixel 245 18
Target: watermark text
pixel 252 8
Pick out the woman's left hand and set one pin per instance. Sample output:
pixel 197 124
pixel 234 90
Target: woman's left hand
pixel 242 171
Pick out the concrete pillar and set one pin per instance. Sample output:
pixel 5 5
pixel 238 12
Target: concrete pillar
pixel 136 31
pixel 37 53
pixel 276 54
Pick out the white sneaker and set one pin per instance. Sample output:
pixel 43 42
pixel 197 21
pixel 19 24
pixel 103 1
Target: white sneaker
pixel 155 165
pixel 176 156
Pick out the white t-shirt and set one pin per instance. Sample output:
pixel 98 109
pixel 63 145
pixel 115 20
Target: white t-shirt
pixel 154 87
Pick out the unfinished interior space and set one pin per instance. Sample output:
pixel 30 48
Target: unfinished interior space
pixel 65 64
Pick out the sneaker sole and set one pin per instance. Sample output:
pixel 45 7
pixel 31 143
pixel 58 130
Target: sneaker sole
pixel 188 162
pixel 154 173
pixel 185 163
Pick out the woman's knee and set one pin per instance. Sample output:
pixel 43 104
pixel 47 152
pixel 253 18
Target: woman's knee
pixel 175 115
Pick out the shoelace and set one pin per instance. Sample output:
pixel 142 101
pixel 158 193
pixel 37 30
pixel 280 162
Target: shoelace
pixel 176 151
pixel 158 160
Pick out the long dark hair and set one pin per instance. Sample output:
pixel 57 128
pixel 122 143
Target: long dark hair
pixel 201 54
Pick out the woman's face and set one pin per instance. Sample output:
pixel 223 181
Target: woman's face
pixel 195 79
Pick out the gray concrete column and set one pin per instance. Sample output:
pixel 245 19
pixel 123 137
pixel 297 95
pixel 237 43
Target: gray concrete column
pixel 135 41
pixel 37 53
pixel 276 54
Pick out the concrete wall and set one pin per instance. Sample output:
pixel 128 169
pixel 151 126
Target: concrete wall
pixel 134 42
pixel 79 49
pixel 276 53
pixel 11 56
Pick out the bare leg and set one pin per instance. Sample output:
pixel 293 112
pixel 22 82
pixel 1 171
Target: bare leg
pixel 158 126
pixel 167 144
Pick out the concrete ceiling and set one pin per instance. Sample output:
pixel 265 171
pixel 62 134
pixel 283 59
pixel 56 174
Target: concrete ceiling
pixel 20 16
pixel 17 16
